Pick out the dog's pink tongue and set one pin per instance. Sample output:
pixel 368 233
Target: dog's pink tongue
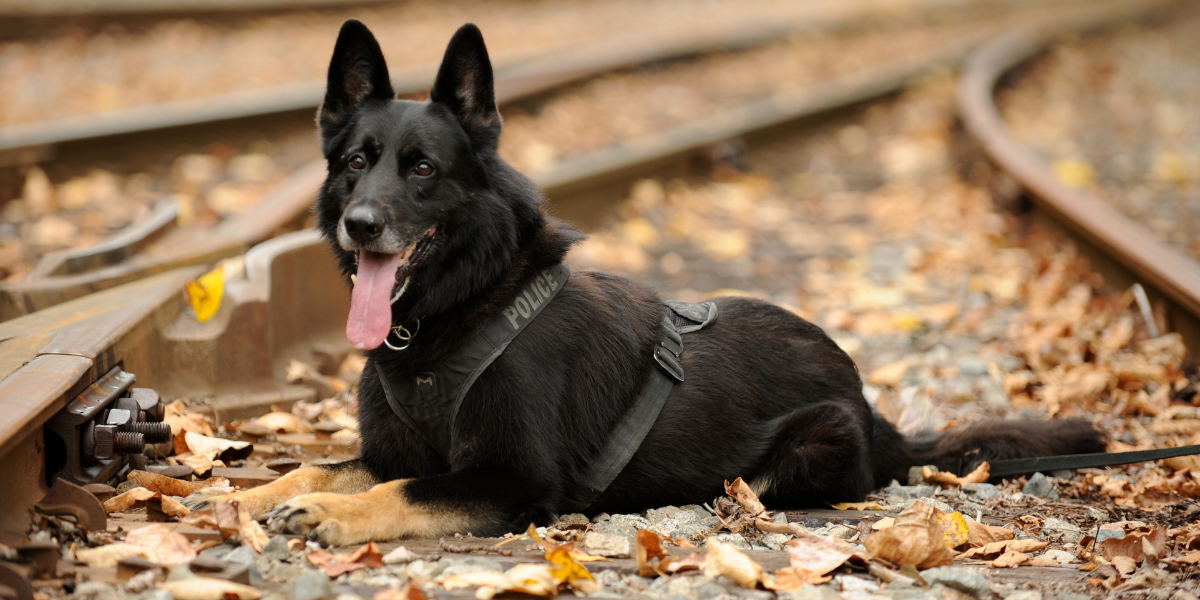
pixel 370 304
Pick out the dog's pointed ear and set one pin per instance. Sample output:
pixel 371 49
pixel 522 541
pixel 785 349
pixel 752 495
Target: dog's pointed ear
pixel 357 73
pixel 464 84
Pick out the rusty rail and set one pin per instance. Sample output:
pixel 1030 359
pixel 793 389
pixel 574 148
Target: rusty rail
pixel 1138 254
pixel 155 246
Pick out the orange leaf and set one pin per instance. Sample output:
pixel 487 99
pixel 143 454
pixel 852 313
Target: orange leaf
pixel 649 547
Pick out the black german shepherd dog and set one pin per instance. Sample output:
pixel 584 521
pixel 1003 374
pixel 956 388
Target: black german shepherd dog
pixel 432 226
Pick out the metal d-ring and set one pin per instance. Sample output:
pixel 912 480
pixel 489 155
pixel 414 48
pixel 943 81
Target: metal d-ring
pixel 404 335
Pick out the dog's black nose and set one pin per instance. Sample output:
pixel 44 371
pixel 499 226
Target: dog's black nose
pixel 364 223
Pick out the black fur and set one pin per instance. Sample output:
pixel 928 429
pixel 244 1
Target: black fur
pixel 768 396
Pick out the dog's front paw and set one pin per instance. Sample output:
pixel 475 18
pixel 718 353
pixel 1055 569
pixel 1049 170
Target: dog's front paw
pixel 324 518
pixel 205 498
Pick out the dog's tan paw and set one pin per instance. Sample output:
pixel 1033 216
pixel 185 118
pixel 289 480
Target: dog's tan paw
pixel 330 519
pixel 205 498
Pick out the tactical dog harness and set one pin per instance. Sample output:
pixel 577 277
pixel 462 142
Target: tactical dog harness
pixel 429 401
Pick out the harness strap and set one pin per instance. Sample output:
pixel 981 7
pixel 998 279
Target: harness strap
pixel 428 402
pixel 627 435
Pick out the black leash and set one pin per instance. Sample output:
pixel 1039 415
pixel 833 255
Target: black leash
pixel 1045 464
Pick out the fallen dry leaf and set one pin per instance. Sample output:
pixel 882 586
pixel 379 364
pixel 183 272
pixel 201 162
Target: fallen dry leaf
pixel 691 562
pixel 1009 559
pixel 253 534
pixel 948 480
pixel 567 570
pixel 228 523
pixel 281 422
pixel 211 447
pixel 915 539
pixel 811 559
pixel 726 559
pixel 533 579
pixel 208 588
pixel 981 534
pixel 746 498
pixel 161 483
pixel 995 549
pixel 140 497
pixel 107 556
pixel 127 500
pixel 649 550
pixel 162 545
pixel 180 418
pixel 1136 544
pixel 365 557
pixel 1124 565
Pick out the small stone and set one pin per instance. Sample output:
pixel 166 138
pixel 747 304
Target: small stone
pixel 277 548
pixel 964 579
pixel 1070 596
pixel 1109 531
pixel 776 541
pixel 572 519
pixel 245 555
pixel 1039 485
pixel 972 509
pixel 1058 529
pixel 399 556
pixel 608 545
pixel 812 592
pixel 982 491
pixel 852 584
pixel 1024 595
pixel 1097 514
pixel 655 515
pixel 218 552
pixel 841 531
pixel 472 564
pixel 737 540
pixel 1062 474
pixel 422 569
pixel 699 511
pixel 915 475
pixel 312 585
pixel 912 491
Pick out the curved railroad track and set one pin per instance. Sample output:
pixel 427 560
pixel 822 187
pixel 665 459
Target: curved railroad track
pixel 1124 250
pixel 118 305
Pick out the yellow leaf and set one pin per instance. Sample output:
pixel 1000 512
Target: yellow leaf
pixel 204 293
pixel 1074 173
pixel 954 528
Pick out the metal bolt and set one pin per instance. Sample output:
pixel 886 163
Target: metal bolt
pixel 128 442
pixel 155 433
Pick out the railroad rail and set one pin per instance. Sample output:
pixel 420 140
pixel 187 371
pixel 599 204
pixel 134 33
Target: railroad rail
pixel 1125 251
pixel 156 244
pixel 286 294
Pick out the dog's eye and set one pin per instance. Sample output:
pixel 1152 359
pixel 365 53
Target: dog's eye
pixel 423 169
pixel 357 162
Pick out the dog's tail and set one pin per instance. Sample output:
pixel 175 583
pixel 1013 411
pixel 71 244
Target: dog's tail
pixel 961 449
